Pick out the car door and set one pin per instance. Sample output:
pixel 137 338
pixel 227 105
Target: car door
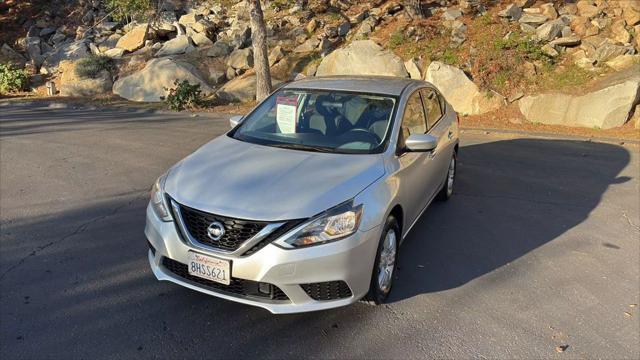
pixel 439 124
pixel 415 172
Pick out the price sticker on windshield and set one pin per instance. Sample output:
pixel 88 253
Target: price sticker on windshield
pixel 286 114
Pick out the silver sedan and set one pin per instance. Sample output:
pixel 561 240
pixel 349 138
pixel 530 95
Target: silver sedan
pixel 302 206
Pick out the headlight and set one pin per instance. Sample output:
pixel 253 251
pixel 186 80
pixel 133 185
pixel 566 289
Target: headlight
pixel 333 224
pixel 158 201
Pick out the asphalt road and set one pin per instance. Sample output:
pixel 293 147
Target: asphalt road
pixel 538 248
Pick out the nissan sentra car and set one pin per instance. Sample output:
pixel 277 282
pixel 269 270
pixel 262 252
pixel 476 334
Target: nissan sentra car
pixel 303 204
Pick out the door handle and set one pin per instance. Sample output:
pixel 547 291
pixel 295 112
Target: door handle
pixel 450 135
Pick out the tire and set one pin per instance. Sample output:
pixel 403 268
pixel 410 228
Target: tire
pixel 447 188
pixel 378 293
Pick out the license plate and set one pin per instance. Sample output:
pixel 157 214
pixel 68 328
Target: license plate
pixel 210 268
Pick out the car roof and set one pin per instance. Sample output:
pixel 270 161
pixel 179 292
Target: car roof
pixel 388 85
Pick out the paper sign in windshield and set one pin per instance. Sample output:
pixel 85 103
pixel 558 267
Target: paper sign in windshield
pixel 286 112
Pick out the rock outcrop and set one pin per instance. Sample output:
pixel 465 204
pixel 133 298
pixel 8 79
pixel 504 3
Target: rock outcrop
pixel 605 108
pixel 460 91
pixel 73 85
pixel 362 57
pixel 151 84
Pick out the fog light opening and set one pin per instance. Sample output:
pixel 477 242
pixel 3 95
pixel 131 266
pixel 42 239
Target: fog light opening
pixel 264 288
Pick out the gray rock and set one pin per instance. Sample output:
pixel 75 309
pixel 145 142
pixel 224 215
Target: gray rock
pixel 201 40
pixel 367 27
pixel 217 77
pixel 33 50
pixel 566 41
pixel 219 49
pixel 362 57
pixel 529 29
pixel 606 108
pixel 150 83
pixel 58 38
pixel 109 43
pixel 460 92
pixel 241 59
pixel 512 12
pixel 331 31
pixel 451 14
pixel 550 50
pixel 178 45
pixel 458 33
pixel 566 31
pixel 114 53
pixel 343 29
pixel 230 73
pixel 46 32
pixel 550 30
pixel 10 56
pixel 276 55
pixel 413 69
pixel 107 26
pixel 533 19
pixel 609 51
pixel 308 46
pixel 190 18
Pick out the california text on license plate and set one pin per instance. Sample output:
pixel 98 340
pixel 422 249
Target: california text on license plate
pixel 210 268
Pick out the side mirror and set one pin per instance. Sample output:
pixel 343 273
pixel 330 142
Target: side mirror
pixel 420 142
pixel 235 120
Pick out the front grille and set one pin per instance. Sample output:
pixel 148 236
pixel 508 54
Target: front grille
pixel 241 287
pixel 330 290
pixel 236 231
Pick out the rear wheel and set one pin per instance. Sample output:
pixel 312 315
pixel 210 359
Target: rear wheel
pixel 447 188
pixel 385 263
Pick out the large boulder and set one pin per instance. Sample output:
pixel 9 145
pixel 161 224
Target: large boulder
pixel 241 89
pixel 70 51
pixel 460 92
pixel 605 108
pixel 73 85
pixel 362 57
pixel 134 39
pixel 151 83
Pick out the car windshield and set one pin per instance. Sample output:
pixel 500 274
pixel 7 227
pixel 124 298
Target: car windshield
pixel 318 120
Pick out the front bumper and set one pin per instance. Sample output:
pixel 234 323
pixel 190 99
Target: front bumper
pixel 349 260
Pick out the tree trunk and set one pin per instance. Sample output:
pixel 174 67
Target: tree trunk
pixel 260 55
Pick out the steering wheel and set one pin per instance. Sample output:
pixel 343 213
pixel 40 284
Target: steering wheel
pixel 365 134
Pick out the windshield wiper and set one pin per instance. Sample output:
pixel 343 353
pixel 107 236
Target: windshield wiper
pixel 303 147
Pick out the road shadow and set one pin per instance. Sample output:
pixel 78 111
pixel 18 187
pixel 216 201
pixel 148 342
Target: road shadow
pixel 511 197
pixel 76 283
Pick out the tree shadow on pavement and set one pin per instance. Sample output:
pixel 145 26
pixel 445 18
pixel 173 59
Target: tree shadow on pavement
pixel 511 197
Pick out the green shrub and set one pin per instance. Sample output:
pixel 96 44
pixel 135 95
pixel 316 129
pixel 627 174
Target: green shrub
pixel 11 79
pixel 184 95
pixel 93 65
pixel 130 9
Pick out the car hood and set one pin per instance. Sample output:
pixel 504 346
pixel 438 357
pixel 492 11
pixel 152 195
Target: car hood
pixel 237 179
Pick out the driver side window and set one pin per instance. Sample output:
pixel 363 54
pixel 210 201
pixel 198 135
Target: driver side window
pixel 413 120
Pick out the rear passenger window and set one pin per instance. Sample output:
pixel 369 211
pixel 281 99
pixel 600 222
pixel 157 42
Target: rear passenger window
pixel 431 106
pixel 413 121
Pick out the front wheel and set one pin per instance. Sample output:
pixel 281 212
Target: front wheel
pixel 447 188
pixel 385 263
